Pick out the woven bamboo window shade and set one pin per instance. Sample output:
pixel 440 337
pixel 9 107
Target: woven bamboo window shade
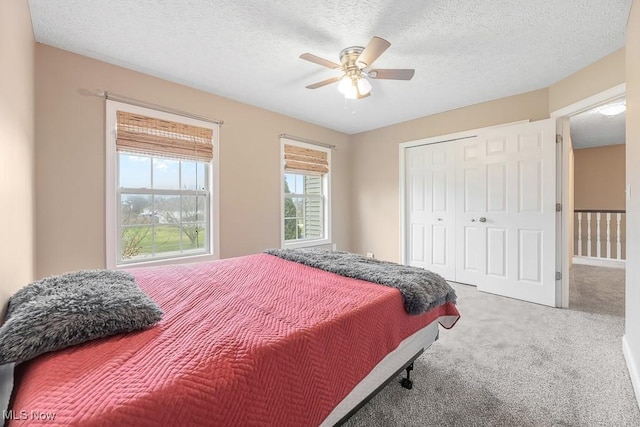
pixel 147 135
pixel 298 159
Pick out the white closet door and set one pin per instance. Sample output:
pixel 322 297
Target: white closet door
pixel 430 189
pixel 520 227
pixel 471 200
pixel 506 221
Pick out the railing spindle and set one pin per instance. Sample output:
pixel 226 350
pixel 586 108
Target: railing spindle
pixel 579 233
pixel 608 234
pixel 588 233
pixel 598 241
pixel 618 243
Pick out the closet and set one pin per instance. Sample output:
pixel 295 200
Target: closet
pixel 481 210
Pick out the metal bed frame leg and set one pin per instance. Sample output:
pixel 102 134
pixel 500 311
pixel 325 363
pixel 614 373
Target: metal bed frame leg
pixel 407 382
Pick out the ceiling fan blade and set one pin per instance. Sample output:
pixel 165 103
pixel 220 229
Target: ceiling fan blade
pixel 324 83
pixel 373 50
pixel 392 74
pixel 320 61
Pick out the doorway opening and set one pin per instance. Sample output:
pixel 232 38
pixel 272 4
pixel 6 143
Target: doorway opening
pixel 597 276
pixel 589 239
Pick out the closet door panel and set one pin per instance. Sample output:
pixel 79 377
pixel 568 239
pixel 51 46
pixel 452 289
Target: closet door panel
pixel 417 209
pixel 430 185
pixel 471 197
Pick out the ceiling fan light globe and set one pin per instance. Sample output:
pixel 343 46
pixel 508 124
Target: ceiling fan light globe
pixel 345 85
pixel 352 93
pixel 364 87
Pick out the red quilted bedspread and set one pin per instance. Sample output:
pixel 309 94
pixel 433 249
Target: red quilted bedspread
pixel 247 341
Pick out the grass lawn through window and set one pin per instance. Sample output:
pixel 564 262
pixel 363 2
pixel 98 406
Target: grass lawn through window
pixel 139 242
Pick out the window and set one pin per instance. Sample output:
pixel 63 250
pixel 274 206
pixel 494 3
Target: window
pixel 161 198
pixel 305 194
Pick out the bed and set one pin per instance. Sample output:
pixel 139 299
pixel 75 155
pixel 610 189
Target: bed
pixel 253 340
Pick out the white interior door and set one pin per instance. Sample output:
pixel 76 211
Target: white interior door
pixel 471 200
pixel 514 170
pixel 430 189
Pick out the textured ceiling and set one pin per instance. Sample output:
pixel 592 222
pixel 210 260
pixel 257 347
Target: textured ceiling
pixel 592 129
pixel 464 52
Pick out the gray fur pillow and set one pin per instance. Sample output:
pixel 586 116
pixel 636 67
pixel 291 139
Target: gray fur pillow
pixel 61 311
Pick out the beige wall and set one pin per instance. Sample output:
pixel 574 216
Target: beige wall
pixel 16 146
pixel 632 321
pixel 600 178
pixel 597 77
pixel 375 182
pixel 70 161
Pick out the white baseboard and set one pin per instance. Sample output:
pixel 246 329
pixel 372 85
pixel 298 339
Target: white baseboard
pixel 599 262
pixel 634 373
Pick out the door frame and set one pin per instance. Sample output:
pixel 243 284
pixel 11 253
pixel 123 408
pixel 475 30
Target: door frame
pixel 428 141
pixel 563 177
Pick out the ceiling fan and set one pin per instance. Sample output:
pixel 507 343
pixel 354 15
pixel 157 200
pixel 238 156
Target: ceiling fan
pixel 355 63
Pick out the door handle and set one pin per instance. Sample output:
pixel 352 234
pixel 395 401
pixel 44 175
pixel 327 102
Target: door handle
pixel 439 219
pixel 473 220
pixel 483 219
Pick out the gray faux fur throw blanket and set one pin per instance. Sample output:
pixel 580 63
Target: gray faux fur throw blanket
pixel 421 289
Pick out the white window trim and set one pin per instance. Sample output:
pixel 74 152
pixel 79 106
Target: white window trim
pixel 326 182
pixel 111 182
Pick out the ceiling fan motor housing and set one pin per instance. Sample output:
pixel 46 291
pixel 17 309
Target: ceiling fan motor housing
pixel 349 57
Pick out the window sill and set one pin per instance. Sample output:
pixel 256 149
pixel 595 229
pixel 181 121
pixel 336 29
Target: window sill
pixel 309 244
pixel 168 261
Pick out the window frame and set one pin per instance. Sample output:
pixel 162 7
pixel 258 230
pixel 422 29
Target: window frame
pixel 326 187
pixel 113 191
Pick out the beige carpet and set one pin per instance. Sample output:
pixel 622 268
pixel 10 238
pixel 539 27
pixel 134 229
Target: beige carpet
pixel 597 290
pixel 512 363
